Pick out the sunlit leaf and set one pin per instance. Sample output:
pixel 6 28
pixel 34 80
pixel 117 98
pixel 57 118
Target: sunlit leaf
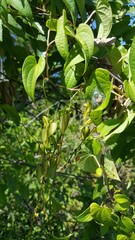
pixel 132 60
pixel 61 37
pixel 107 126
pixel 75 56
pixel 130 89
pixel 72 75
pixel 31 70
pixel 122 237
pixel 85 38
pixel 23 7
pixel 104 14
pixel 52 24
pixel 85 216
pixel 126 121
pixel 102 214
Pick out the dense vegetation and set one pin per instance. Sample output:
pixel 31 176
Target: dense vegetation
pixel 67 130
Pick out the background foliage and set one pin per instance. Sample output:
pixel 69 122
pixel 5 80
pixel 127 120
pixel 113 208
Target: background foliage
pixel 67 105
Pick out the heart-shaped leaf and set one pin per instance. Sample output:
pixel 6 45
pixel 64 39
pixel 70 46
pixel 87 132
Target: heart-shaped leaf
pixel 104 14
pixel 31 70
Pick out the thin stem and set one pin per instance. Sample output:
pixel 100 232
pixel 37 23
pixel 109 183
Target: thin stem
pixel 91 15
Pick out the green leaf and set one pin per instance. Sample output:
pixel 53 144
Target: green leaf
pixel 81 7
pixel 31 70
pixel 63 238
pixel 110 168
pixel 11 112
pixel 127 225
pixel 99 88
pixel 1 31
pixel 104 14
pixel 56 205
pixel 132 60
pixel 101 214
pixel 122 237
pixel 96 146
pixel 52 24
pixel 88 162
pixel 14 26
pixel 64 120
pixel 85 216
pixel 96 117
pixel 130 89
pixel 75 56
pixel 72 75
pixel 107 126
pixel 114 58
pixel 22 6
pixel 122 202
pixel 126 121
pixel 71 5
pixel 61 37
pixel 85 38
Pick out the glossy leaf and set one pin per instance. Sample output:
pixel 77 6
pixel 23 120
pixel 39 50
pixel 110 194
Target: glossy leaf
pixel 132 60
pixel 71 5
pixel 85 38
pixel 31 70
pixel 61 37
pixel 130 89
pixel 23 7
pixel 85 216
pixel 104 14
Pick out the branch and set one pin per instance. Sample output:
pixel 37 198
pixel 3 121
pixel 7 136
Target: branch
pixel 18 162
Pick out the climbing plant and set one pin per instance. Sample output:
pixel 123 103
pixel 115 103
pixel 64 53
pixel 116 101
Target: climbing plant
pixel 67 119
